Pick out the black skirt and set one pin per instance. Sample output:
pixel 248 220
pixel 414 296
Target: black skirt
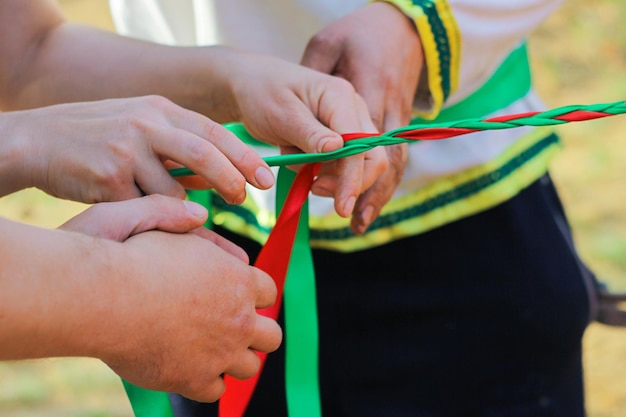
pixel 481 317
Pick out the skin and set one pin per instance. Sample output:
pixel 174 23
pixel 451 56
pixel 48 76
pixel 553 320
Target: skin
pixel 115 291
pixel 47 61
pixel 119 149
pixel 356 48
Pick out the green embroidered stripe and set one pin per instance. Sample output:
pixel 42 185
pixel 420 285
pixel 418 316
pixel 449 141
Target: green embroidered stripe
pixel 246 215
pixel 441 39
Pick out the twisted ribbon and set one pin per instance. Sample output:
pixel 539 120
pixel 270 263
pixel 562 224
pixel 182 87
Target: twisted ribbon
pixel 362 142
pixel 276 253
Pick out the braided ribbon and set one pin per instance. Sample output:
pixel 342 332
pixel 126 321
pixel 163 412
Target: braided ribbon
pixel 362 142
pixel 276 253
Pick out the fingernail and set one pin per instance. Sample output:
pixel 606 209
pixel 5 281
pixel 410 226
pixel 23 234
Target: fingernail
pixel 366 215
pixel 196 209
pixel 326 144
pixel 321 146
pixel 349 205
pixel 264 177
pixel 240 198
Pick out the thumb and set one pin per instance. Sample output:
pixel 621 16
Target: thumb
pixel 120 220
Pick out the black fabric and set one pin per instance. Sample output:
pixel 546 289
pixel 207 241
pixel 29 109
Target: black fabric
pixel 481 317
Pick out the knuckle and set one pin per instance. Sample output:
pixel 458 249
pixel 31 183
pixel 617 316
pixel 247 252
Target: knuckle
pixel 157 101
pixel 235 188
pixel 378 120
pixel 276 338
pixel 249 158
pixel 341 86
pixel 322 41
pixel 245 323
pixel 214 131
pixel 159 200
pixel 198 389
pixel 201 153
pixel 381 164
pixel 109 177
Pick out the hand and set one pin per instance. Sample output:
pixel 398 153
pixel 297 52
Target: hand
pixel 116 149
pixel 303 110
pixel 358 48
pixel 193 319
pixel 200 322
pixel 120 220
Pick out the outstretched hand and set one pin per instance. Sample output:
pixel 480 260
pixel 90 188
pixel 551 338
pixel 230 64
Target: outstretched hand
pixel 121 148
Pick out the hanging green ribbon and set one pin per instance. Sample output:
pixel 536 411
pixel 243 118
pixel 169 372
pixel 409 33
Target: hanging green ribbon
pixel 301 339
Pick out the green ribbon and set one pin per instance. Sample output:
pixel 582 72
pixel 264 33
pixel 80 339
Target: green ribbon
pixel 301 337
pixel 147 403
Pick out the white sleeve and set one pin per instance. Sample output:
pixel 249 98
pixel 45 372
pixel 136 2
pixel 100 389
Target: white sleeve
pixel 490 30
pixel 170 22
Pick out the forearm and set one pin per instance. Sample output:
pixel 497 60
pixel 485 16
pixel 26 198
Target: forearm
pixel 68 62
pixel 58 293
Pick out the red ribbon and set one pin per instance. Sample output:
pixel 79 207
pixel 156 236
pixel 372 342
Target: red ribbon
pixel 274 260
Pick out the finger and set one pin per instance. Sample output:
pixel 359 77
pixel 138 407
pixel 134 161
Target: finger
pixel 120 220
pixel 223 243
pixel 369 205
pixel 98 192
pixel 245 365
pixel 268 335
pixel 267 338
pixel 298 126
pixel 206 391
pixel 371 202
pixel 188 182
pixel 348 184
pixel 350 170
pixel 266 289
pixel 356 176
pixel 248 162
pixel 203 158
pixel 396 116
pixel 376 164
pixel 153 178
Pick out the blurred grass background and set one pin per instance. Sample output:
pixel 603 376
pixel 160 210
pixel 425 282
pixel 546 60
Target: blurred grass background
pixel 579 57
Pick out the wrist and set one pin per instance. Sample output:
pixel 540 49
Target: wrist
pixel 210 89
pixel 16 171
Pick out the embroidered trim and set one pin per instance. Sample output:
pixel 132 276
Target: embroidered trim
pixel 441 40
